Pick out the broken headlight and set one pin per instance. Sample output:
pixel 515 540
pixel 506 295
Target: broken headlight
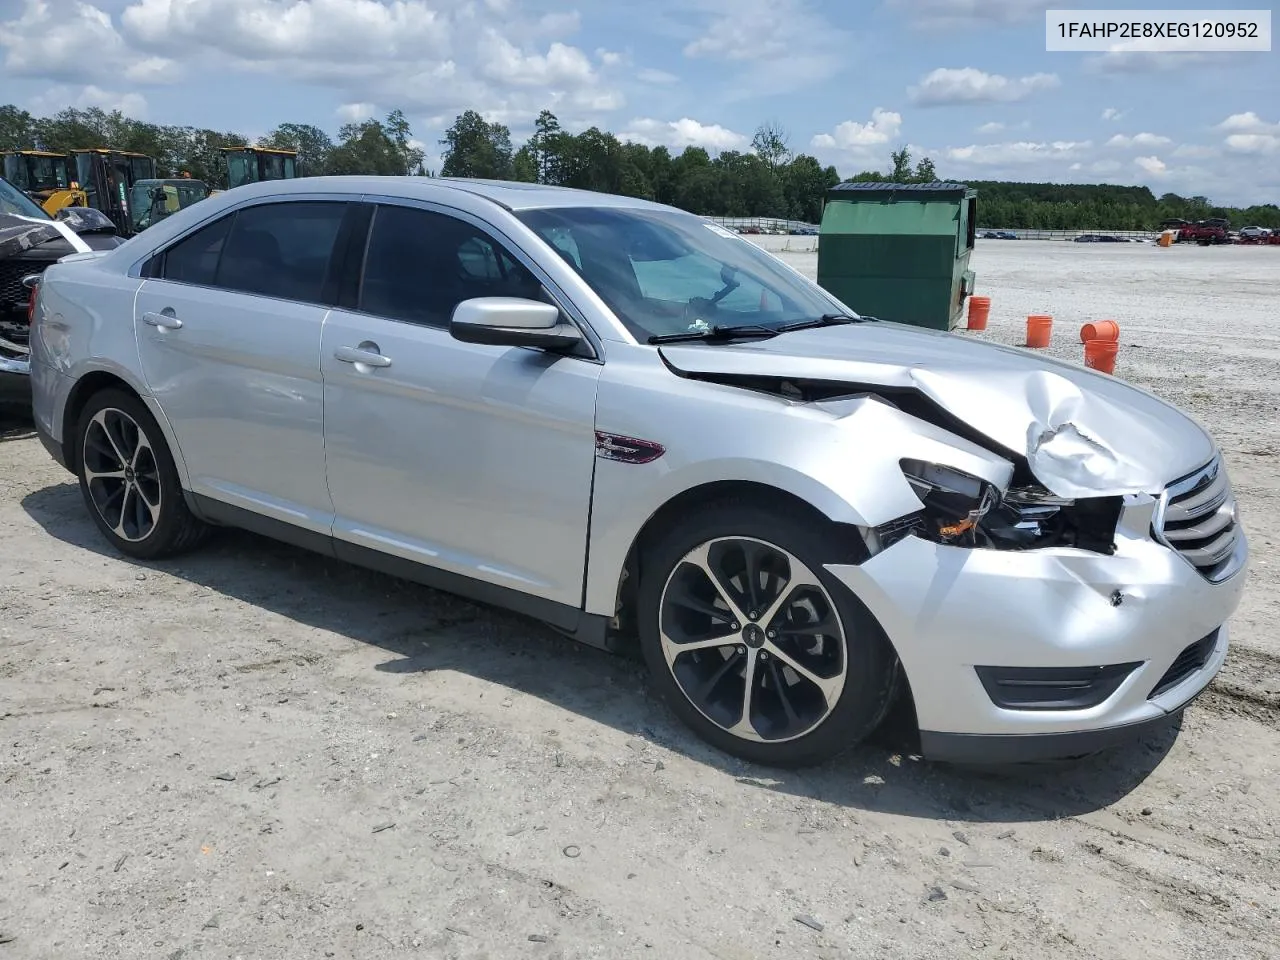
pixel 963 510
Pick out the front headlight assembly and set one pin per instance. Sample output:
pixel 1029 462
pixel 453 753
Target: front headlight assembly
pixel 966 511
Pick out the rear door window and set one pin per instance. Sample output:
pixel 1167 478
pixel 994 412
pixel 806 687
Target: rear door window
pixel 281 250
pixel 194 259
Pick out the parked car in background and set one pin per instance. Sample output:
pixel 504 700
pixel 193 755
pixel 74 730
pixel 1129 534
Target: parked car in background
pixel 627 421
pixel 1254 233
pixel 30 240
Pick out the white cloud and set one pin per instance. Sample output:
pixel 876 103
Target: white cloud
pixel 852 135
pixel 1248 122
pixel 1152 165
pixel 1146 61
pixel 72 42
pixel 61 96
pixel 1248 133
pixel 1016 152
pixel 261 30
pixel 427 56
pixel 678 134
pixel 780 45
pixel 355 112
pixel 657 77
pixel 993 127
pixel 1111 113
pixel 1098 168
pixel 1259 143
pixel 1121 141
pixel 971 85
pixel 502 60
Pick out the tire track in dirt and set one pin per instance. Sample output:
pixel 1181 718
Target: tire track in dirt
pixel 1248 686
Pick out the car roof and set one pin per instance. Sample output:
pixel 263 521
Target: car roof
pixel 510 194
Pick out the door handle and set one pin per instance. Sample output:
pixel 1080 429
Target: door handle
pixel 165 321
pixel 367 355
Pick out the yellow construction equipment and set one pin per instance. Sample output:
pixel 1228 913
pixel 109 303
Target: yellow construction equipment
pixel 253 164
pixel 151 201
pixel 47 178
pixel 108 176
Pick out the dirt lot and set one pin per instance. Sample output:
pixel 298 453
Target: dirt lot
pixel 255 753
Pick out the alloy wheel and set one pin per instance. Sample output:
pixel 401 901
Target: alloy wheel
pixel 122 474
pixel 753 639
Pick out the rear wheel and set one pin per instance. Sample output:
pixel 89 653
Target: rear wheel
pixel 754 645
pixel 129 481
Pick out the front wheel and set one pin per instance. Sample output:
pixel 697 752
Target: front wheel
pixel 129 481
pixel 754 644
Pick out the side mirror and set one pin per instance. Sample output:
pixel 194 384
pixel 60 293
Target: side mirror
pixel 511 322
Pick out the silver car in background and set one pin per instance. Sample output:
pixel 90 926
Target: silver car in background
pixel 626 421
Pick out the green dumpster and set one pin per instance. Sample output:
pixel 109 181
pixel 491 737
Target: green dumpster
pixel 899 251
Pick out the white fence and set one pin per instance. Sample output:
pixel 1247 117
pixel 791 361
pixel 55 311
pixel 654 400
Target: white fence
pixel 1070 234
pixel 763 224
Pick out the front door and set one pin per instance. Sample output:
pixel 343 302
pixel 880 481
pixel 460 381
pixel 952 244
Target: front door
pixel 473 459
pixel 229 337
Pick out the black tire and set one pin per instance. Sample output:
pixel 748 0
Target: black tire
pixel 871 678
pixel 156 522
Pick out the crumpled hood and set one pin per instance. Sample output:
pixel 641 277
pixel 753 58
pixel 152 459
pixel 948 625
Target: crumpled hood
pixel 18 234
pixel 1082 433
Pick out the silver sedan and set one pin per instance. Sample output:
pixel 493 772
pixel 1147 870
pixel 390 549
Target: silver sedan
pixel 634 425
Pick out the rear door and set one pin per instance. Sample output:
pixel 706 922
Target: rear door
pixel 228 329
pixel 472 459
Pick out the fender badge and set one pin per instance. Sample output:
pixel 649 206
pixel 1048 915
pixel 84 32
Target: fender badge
pixel 612 446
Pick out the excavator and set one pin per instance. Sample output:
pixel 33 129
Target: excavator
pixel 247 164
pixel 108 176
pixel 47 178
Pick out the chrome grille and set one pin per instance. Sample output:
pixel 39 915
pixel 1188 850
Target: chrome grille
pixel 1197 518
pixel 13 294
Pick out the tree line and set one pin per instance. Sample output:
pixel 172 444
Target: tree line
pixel 767 180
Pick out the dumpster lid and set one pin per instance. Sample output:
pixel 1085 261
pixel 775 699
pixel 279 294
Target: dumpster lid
pixel 938 190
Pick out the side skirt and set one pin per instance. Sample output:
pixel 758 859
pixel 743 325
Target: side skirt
pixel 587 628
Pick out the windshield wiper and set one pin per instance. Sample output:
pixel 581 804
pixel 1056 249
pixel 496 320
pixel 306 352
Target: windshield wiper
pixel 826 320
pixel 718 334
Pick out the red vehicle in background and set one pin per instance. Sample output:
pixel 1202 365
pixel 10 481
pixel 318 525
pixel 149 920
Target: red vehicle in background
pixel 1205 232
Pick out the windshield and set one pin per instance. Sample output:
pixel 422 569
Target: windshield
pixel 666 272
pixel 14 201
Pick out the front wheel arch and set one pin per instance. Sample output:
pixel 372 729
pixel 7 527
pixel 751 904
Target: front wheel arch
pixel 686 504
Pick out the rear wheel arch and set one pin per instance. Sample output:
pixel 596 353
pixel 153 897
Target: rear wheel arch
pixel 85 389
pixel 89 386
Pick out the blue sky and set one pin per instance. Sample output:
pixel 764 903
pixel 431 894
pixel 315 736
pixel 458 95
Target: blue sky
pixel 967 82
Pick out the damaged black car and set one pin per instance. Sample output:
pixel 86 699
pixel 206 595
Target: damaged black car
pixel 30 240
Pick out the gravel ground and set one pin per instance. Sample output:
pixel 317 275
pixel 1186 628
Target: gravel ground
pixel 257 753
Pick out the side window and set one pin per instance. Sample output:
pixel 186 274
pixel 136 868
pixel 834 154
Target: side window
pixel 194 259
pixel 419 265
pixel 281 249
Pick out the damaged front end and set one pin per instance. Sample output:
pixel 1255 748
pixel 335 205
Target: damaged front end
pixel 962 510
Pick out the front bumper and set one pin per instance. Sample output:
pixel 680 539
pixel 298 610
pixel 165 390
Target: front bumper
pixel 949 610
